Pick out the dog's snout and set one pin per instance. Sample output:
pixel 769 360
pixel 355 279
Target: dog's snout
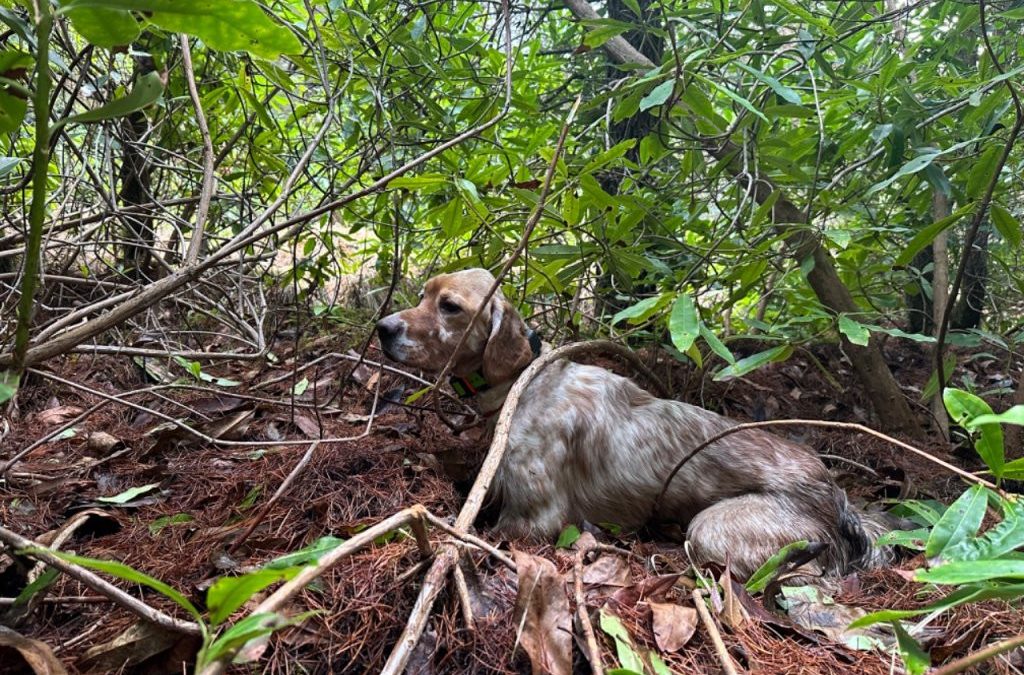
pixel 388 329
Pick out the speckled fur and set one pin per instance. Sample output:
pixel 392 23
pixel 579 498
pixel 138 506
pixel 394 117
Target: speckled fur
pixel 587 444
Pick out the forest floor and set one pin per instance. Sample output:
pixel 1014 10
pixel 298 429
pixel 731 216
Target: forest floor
pixel 200 497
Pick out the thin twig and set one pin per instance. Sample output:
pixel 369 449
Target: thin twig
pixel 99 585
pixel 195 244
pixel 979 656
pixel 716 637
pixel 593 650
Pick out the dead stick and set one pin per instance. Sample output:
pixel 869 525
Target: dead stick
pixel 359 541
pixel 99 585
pixel 438 572
pixel 462 590
pixel 716 638
pixel 594 656
pixel 980 656
pixel 473 540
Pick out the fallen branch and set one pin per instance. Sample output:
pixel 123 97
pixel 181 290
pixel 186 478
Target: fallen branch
pixel 716 637
pixel 99 585
pixel 980 656
pixel 438 572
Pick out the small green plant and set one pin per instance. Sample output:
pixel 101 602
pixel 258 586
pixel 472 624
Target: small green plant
pixel 979 565
pixel 223 598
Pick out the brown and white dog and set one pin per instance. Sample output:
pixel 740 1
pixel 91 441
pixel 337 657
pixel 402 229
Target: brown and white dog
pixel 587 444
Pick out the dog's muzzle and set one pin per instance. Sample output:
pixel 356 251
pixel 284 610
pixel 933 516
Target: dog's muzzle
pixel 389 330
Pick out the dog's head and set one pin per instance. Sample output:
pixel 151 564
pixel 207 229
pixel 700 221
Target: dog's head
pixel 425 336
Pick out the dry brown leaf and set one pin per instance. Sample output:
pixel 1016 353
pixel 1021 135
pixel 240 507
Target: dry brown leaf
pixel 59 415
pixel 542 607
pixel 139 642
pixel 732 614
pixel 673 625
pixel 652 588
pixel 101 441
pixel 608 570
pixel 35 654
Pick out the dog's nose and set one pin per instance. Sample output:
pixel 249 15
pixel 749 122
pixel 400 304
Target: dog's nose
pixel 388 329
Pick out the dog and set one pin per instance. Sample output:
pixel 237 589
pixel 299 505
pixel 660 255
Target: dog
pixel 589 445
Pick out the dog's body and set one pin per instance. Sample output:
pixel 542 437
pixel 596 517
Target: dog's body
pixel 587 444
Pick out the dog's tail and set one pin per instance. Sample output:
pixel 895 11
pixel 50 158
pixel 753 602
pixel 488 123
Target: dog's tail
pixel 858 530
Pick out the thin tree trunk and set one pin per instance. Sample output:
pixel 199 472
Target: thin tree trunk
pixel 940 292
pixel 968 310
pixel 887 398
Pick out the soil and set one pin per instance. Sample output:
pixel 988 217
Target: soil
pixel 184 529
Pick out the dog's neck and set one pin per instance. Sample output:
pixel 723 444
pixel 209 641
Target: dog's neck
pixel 491 396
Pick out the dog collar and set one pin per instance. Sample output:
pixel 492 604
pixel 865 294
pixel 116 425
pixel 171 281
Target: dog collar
pixel 475 383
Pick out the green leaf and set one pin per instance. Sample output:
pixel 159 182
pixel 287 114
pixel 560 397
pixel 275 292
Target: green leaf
pixel 734 96
pixel 716 345
pixel 796 10
pixel 146 91
pixel 165 521
pixel 8 385
pixel 782 90
pixel 684 322
pixel 1004 537
pixel 226 25
pixel 981 172
pixel 12 112
pixel 963 407
pixel 128 494
pixel 1014 470
pixel 928 234
pixel 41 583
pixel 639 312
pixel 628 658
pixel 301 386
pixel 603 30
pixel 1014 415
pixel 105 27
pixel 8 164
pixel 914 658
pixel 960 521
pixel 954 599
pixel 1007 225
pixel 569 536
pixel 227 594
pixel 658 95
pixel 970 571
pixel 427 182
pixel 250 628
pixel 763 575
pixel 308 554
pixel 855 332
pixel 126 573
pixel 931 387
pixel 755 361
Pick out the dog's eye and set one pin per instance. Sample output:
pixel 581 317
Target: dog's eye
pixel 449 307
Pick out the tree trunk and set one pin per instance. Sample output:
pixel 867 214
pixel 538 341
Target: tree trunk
pixel 881 387
pixel 968 310
pixel 940 294
pixel 135 177
pixel 921 307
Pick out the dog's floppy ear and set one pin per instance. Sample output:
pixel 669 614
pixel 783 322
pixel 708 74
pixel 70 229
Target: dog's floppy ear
pixel 508 349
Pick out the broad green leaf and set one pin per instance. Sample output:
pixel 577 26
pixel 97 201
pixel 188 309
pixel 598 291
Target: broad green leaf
pixel 301 386
pixel 603 30
pixel 165 521
pixel 763 575
pixel 638 312
pixel 41 583
pixel 964 407
pixel 981 173
pixel 684 323
pixel 658 95
pixel 250 628
pixel 8 385
pixel 226 25
pixel 8 164
pixel 970 571
pixel 1007 225
pixel 1014 470
pixel 855 332
pixel 912 539
pixel 128 494
pixel 12 60
pixel 1014 415
pixel 568 536
pixel 921 511
pixel 716 345
pixel 105 27
pixel 733 95
pixel 960 521
pixel 997 541
pixel 126 573
pixel 795 9
pixel 954 599
pixel 308 554
pixel 928 234
pixel 12 112
pixel 424 181
pixel 914 658
pixel 628 658
pixel 146 91
pixel 755 361
pixel 229 593
pixel 782 90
